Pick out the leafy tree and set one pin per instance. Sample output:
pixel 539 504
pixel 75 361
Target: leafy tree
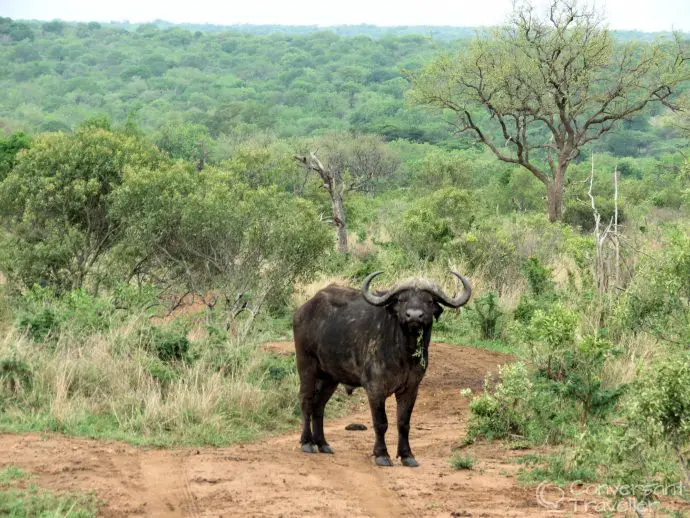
pixel 55 204
pixel 16 31
pixel 434 220
pixel 211 231
pixel 550 85
pixel 187 141
pixel 97 121
pixel 442 169
pixel 55 27
pixel 268 162
pixel 25 53
pixel 9 147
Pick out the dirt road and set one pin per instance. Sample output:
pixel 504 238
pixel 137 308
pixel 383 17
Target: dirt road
pixel 272 477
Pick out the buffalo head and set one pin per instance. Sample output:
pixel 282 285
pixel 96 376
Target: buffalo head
pixel 417 301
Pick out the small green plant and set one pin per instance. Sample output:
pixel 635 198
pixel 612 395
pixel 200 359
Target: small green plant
pixel 583 372
pixel 547 337
pixel 276 368
pixel 541 291
pixel 11 473
pixel 15 377
pixel 557 467
pixel 40 325
pixel 538 276
pixel 161 372
pixel 501 412
pixel 18 501
pixel 458 462
pixel 487 314
pixel 659 407
pixel 167 343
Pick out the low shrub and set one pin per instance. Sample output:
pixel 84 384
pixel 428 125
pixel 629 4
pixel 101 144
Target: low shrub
pixel 487 314
pixel 167 343
pixel 458 462
pixel 15 377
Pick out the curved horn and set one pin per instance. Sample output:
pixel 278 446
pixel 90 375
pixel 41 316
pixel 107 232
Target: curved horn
pixel 371 298
pixel 459 300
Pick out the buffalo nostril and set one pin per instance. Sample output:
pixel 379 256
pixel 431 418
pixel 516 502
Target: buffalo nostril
pixel 414 314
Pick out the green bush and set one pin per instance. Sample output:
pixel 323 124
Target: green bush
pixel 15 377
pixel 44 315
pixel 547 337
pixel 504 411
pixel 168 344
pixel 276 368
pixel 55 204
pixel 539 277
pixel 210 231
pixel 523 407
pixel 578 213
pixel 434 220
pixel 648 445
pixel 40 325
pixel 487 314
pixel 659 406
pixel 161 371
pixel 658 298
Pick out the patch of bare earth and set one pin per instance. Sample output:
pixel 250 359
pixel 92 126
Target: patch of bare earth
pixel 272 477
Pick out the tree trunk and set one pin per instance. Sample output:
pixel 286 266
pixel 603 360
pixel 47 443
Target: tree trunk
pixel 338 215
pixel 554 195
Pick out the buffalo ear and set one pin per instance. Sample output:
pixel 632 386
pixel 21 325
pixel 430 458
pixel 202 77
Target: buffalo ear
pixel 437 311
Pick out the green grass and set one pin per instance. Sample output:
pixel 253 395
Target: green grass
pixel 458 462
pixel 105 426
pixel 10 474
pixel 552 467
pixel 21 499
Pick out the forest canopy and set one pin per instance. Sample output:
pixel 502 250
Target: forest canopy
pixel 293 81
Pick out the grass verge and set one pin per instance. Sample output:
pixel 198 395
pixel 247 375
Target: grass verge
pixel 19 498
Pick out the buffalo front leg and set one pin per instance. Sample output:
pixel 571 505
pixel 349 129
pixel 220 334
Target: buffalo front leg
pixel 405 402
pixel 307 391
pixel 377 403
pixel 324 391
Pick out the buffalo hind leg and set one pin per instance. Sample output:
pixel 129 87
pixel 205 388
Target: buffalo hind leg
pixel 377 403
pixel 405 402
pixel 324 391
pixel 307 391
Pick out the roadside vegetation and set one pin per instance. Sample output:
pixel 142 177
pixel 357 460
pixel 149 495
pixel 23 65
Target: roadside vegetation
pixel 159 227
pixel 21 498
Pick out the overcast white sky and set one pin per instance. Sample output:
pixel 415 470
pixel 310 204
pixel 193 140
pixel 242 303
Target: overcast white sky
pixel 647 15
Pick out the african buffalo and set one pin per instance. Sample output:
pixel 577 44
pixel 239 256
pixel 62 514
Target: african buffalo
pixel 376 341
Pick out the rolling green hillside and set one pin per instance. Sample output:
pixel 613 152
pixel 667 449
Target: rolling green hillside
pixel 291 81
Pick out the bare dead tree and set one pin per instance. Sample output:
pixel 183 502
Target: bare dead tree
pixel 336 189
pixel 616 240
pixel 605 238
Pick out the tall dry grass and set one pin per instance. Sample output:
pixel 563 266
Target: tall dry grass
pixel 106 384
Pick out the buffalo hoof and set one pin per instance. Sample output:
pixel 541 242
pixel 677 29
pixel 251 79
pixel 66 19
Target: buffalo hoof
pixel 410 462
pixel 326 449
pixel 383 460
pixel 310 448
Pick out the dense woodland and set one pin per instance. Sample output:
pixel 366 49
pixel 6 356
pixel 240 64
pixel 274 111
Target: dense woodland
pixel 290 83
pixel 148 168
